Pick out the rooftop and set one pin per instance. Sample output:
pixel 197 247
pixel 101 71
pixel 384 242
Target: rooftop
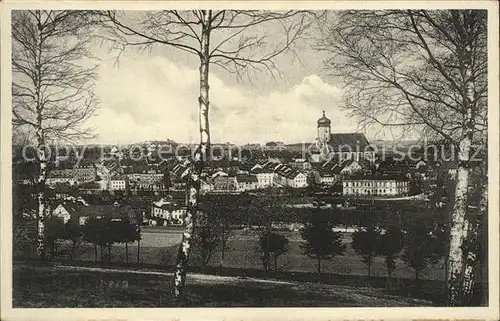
pixel 349 142
pixel 244 178
pixel 378 178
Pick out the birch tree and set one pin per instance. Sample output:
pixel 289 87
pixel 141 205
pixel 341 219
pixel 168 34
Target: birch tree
pixel 51 86
pixel 424 70
pixel 233 40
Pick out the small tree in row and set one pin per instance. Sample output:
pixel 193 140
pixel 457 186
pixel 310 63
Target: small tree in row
pixel 389 245
pixel 74 233
pixel 96 233
pixel 206 241
pixel 272 243
pixel 320 241
pixel 423 246
pixel 365 243
pixel 125 232
pixel 54 231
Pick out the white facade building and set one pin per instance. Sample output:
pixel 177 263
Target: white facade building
pixel 328 179
pixel 52 181
pixel 148 181
pixel 297 180
pixel 378 186
pixel 118 183
pixel 62 212
pixel 246 182
pixel 265 178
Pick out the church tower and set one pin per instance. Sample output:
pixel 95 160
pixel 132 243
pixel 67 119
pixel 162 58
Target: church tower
pixel 324 132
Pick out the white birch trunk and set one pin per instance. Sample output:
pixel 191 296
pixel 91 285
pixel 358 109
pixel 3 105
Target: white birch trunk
pixel 471 257
pixel 42 158
pixel 193 184
pixel 41 200
pixel 461 271
pixel 459 224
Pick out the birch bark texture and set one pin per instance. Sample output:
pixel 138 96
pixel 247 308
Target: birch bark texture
pixel 232 40
pixel 52 94
pixel 421 71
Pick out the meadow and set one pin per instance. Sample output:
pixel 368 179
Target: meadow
pixel 159 246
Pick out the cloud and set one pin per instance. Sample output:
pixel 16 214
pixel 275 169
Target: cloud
pixel 152 97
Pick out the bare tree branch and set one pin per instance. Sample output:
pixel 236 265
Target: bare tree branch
pixel 424 69
pixel 49 82
pixel 233 40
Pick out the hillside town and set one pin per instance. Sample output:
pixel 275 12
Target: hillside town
pixel 350 169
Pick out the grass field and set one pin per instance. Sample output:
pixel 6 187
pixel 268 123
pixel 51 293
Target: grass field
pixel 58 287
pixel 161 248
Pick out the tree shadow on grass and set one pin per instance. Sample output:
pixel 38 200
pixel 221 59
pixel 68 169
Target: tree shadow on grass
pixel 55 287
pixel 256 295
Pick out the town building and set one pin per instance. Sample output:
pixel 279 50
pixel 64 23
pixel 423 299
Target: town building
pixel 84 174
pixel 168 211
pixel 118 183
pixel 277 174
pixel 177 216
pixel 151 180
pixel 206 185
pixel 162 209
pixel 328 178
pixel 225 183
pixel 349 167
pixel 57 178
pixel 74 176
pixel 296 179
pixel 245 182
pixel 281 174
pixel 66 211
pixel 342 145
pixel 265 177
pixel 300 164
pixel 376 185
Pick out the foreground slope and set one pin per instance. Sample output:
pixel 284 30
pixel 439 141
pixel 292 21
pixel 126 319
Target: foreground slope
pixel 64 286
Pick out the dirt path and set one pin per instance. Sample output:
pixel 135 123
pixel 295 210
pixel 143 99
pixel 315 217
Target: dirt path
pixel 194 276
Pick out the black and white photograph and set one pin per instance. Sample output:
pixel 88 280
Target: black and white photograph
pixel 223 155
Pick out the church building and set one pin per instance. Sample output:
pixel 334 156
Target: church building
pixel 324 128
pixel 343 146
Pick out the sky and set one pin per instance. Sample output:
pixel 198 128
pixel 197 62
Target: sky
pixel 153 95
